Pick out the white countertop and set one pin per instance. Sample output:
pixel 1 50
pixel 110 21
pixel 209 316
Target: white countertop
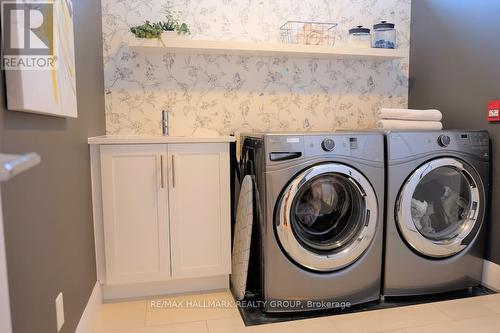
pixel 145 139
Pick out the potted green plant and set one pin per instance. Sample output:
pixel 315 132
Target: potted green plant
pixel 170 27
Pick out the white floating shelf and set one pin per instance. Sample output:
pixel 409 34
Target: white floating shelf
pixel 193 46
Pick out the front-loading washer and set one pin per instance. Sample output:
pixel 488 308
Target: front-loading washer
pixel 319 208
pixel 437 195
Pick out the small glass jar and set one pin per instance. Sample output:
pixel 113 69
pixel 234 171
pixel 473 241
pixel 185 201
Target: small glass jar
pixel 384 35
pixel 359 37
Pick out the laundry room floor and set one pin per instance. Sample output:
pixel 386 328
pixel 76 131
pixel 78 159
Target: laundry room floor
pixel 215 313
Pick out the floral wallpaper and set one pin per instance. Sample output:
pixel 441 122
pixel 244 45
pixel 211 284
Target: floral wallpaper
pixel 217 94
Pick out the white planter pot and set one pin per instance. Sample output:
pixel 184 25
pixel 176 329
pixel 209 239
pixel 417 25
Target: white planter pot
pixel 172 35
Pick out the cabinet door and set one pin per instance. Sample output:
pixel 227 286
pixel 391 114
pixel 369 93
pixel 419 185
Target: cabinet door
pixel 135 211
pixel 199 197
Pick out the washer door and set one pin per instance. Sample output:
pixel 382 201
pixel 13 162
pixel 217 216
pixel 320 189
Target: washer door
pixel 326 217
pixel 438 207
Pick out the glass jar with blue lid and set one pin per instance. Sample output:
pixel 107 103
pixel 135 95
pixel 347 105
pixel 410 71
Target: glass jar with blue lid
pixel 384 35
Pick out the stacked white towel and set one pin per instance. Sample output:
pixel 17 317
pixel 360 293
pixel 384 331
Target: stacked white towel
pixel 408 119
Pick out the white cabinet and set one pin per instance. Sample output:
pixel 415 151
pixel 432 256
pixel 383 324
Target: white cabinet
pixel 199 210
pixel 135 212
pixel 166 211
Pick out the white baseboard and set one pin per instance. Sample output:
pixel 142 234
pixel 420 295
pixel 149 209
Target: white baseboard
pixel 88 318
pixel 151 289
pixel 491 275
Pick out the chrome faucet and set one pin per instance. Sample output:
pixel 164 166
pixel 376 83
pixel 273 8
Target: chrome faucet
pixel 164 122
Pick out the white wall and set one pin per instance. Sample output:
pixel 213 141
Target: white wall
pixel 234 93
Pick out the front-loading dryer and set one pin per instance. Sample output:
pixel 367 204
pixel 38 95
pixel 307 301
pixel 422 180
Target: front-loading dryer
pixel 437 186
pixel 320 208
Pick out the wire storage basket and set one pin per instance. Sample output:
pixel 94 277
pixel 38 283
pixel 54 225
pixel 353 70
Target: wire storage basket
pixel 308 33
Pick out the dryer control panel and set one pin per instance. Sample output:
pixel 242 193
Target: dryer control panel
pixel 403 145
pixel 474 139
pixel 444 140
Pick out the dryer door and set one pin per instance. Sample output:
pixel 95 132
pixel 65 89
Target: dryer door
pixel 326 217
pixel 438 207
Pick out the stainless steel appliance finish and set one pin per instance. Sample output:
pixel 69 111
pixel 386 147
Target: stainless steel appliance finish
pixel 320 210
pixel 165 123
pixel 437 185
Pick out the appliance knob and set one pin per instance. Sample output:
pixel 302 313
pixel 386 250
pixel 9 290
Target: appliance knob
pixel 444 140
pixel 328 145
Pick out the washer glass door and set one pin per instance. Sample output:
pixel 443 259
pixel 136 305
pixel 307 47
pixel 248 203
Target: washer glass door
pixel 327 217
pixel 438 207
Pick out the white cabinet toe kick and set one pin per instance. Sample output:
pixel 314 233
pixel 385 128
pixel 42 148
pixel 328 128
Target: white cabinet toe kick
pixel 161 217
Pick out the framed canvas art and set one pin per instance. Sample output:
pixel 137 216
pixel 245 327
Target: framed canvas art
pixel 39 57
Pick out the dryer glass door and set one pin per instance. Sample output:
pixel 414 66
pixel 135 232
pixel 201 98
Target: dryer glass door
pixel 438 207
pixel 327 217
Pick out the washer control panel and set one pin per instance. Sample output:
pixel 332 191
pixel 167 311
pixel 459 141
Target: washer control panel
pixel 287 147
pixel 328 145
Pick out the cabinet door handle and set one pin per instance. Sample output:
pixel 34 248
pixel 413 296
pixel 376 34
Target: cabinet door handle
pixel 173 170
pixel 162 168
